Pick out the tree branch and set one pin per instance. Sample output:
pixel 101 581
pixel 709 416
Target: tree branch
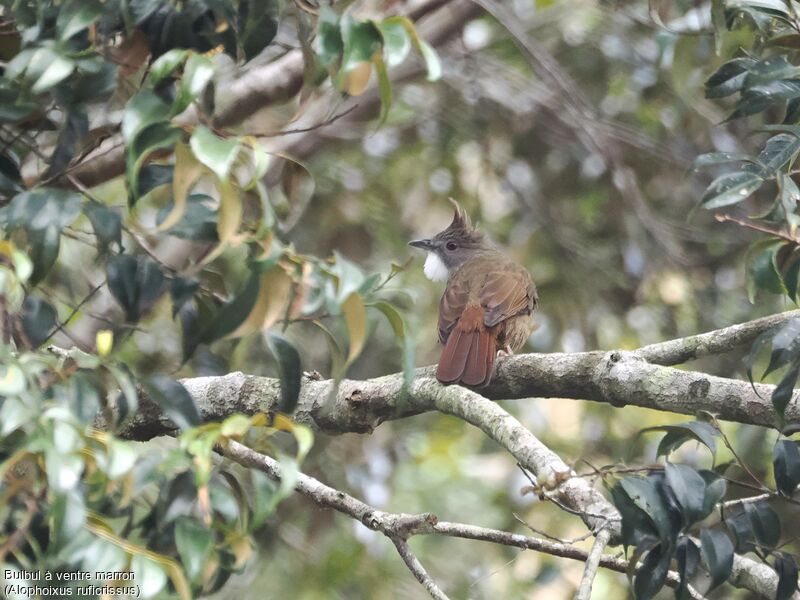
pixel 618 378
pixel 404 525
pixel 592 562
pixel 416 568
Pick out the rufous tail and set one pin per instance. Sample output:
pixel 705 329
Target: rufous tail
pixel 468 355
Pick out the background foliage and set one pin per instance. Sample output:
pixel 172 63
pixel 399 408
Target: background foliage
pixel 222 249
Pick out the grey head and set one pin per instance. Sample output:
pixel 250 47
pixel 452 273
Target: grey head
pixel 448 249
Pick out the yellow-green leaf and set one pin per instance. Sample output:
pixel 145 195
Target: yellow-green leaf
pixel 355 317
pixel 187 171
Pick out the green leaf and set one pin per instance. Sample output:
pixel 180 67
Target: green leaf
pixel 652 573
pixel 427 53
pixel 166 64
pixel 216 153
pixel 12 380
pixel 197 74
pixel 786 567
pixel 729 78
pixel 644 494
pixel 142 110
pixel 680 433
pixel 107 225
pixel 687 555
pixel 291 370
pixel 157 136
pixel 58 69
pixel 233 313
pixel 716 487
pixel 689 489
pixel 329 44
pixel 198 221
pixel 779 150
pixel 396 43
pixel 786 466
pixel 173 399
pixel 731 188
pixel 150 577
pixel 784 391
pixel 258 24
pixel 194 542
pixel 785 345
pixel 43 251
pixel 361 39
pixel 762 269
pixel 719 158
pixel 38 320
pixel 76 16
pixel 717 551
pixel 42 208
pixel 764 522
pixel 384 87
pixel 136 282
pixel 264 498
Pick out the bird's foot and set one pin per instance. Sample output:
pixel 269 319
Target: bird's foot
pixel 506 351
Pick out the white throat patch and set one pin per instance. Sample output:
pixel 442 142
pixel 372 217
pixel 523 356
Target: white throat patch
pixel 434 268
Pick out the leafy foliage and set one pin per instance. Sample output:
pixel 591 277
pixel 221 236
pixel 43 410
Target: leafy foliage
pixel 182 521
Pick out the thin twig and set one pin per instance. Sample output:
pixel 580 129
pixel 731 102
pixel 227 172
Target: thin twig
pixel 592 563
pixel 75 310
pixel 413 564
pixel 722 218
pixel 319 125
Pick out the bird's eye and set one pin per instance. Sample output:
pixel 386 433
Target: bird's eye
pixel 451 246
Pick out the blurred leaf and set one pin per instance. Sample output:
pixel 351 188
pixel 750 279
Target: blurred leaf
pixel 166 64
pixel 230 213
pixel 270 304
pixel 104 342
pixel 173 399
pixel 194 543
pixel 329 44
pixel 264 498
pixel 427 53
pixel 182 290
pixel 43 251
pixel 719 158
pixel 717 551
pixel 762 269
pixel 355 316
pixel 785 339
pixel 150 577
pixel 198 72
pixel 38 320
pixel 76 16
pixel 187 171
pixel 107 225
pixel 198 222
pixel 136 282
pixel 12 380
pixel 786 466
pixel 258 24
pixel 235 312
pixel 779 150
pixel 784 391
pixel 291 370
pixel 44 208
pixel 218 154
pixel 384 87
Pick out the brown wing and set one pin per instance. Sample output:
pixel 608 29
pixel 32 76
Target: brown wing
pixel 508 291
pixel 452 304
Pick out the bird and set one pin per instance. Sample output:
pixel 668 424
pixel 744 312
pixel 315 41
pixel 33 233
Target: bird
pixel 487 304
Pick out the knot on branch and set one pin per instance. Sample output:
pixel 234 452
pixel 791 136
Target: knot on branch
pixel 611 370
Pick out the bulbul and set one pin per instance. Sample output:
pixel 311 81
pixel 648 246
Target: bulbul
pixel 487 303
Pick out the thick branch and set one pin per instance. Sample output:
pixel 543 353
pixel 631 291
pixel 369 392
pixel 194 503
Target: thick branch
pixel 616 377
pixel 676 352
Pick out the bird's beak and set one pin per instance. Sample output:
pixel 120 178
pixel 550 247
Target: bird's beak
pixel 422 244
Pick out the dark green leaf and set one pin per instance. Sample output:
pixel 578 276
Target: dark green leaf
pixel 784 391
pixel 199 221
pixel 329 44
pixel 785 345
pixel 764 522
pixel 153 176
pixel 136 282
pixel 291 370
pixel 76 16
pixel 715 491
pixel 182 289
pixel 107 225
pixel 652 573
pixel 44 208
pixel 258 24
pixel 786 567
pixel 719 158
pixel 43 251
pixel 75 128
pixel 233 314
pixel 689 489
pixel 786 465
pixel 264 498
pixel 779 150
pixel 38 320
pixel 644 493
pixel 762 269
pixel 729 78
pixel 361 41
pixel 173 399
pixel 687 555
pixel 718 554
pixel 680 433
